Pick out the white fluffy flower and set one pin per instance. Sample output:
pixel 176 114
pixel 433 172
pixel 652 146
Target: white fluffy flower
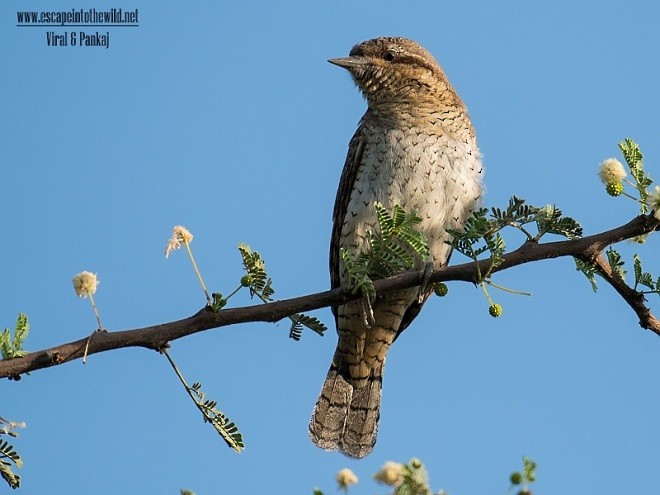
pixel 389 474
pixel 179 235
pixel 346 478
pixel 85 284
pixel 611 170
pixel 653 201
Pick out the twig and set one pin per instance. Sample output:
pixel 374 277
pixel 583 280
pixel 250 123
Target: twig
pixel 155 337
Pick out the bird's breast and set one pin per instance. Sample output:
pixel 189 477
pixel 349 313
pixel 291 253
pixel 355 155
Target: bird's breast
pixel 422 170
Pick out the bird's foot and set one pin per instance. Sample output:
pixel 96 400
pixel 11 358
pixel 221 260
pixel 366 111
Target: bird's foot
pixel 423 287
pixel 367 312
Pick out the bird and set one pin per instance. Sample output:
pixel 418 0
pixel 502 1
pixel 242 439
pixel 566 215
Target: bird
pixel 415 147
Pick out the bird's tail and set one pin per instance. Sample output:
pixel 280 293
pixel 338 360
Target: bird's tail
pixel 346 414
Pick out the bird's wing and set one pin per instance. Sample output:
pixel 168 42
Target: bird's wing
pixel 346 185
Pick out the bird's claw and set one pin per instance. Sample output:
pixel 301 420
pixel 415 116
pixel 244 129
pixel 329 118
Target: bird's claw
pixel 367 312
pixel 426 276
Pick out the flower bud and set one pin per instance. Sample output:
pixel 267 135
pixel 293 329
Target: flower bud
pixel 495 310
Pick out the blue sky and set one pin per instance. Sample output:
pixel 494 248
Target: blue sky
pixel 226 118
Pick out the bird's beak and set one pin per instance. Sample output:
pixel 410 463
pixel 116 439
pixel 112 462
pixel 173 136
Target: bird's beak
pixel 348 63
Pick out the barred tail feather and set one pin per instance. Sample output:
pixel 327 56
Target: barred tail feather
pixel 347 412
pixel 359 436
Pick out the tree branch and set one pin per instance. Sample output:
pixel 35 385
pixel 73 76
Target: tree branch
pixel 588 249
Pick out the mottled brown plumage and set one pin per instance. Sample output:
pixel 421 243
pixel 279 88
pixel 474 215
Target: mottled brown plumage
pixel 415 146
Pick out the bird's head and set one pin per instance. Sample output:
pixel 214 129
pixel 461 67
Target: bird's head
pixel 394 71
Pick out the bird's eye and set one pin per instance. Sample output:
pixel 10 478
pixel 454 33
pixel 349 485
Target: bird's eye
pixel 389 56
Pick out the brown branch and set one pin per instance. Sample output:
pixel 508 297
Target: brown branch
pixel 156 337
pixel 634 298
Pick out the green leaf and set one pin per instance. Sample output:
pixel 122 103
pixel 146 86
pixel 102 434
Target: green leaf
pixel 529 470
pixel 219 302
pixel 589 271
pixel 225 428
pixel 637 268
pixel 477 229
pixel 357 268
pixel 641 277
pixel 496 246
pixel 295 332
pixel 12 479
pixel 9 456
pixel 631 153
pixel 517 213
pixel 550 220
pixel 396 235
pixel 476 226
pixel 415 239
pixel 633 156
pixel 8 452
pixel 299 320
pixel 12 348
pixel 385 221
pixel 5 344
pixel 616 263
pixel 22 330
pixel 259 282
pixel 396 246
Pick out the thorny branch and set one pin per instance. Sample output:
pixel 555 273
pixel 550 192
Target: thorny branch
pixel 588 249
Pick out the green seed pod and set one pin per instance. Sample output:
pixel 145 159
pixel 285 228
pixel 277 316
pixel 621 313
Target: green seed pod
pixel 515 478
pixel 246 280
